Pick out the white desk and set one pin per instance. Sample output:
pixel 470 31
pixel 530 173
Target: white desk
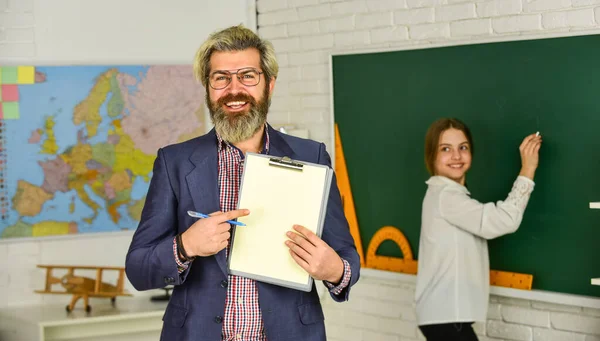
pixel 133 318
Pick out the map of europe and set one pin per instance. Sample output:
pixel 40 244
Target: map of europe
pixel 78 143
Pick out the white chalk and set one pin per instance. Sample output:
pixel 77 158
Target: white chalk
pixel 537 133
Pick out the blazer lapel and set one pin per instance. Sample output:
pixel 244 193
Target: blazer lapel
pixel 277 145
pixel 203 183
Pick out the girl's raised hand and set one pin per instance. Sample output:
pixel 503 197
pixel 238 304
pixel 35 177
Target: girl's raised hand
pixel 529 150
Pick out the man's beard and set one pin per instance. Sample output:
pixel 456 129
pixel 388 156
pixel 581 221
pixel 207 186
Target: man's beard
pixel 239 126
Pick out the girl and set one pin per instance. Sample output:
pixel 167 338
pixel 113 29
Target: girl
pixel 454 271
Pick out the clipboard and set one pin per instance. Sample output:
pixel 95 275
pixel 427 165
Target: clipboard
pixel 279 192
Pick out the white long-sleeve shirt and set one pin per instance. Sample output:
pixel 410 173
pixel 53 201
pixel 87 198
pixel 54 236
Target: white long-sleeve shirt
pixel 453 278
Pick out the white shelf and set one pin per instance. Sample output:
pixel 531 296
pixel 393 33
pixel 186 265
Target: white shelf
pixel 130 316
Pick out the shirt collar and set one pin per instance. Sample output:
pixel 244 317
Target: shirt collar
pixel 438 180
pixel 222 144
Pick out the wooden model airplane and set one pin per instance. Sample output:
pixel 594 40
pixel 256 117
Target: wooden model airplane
pixel 83 287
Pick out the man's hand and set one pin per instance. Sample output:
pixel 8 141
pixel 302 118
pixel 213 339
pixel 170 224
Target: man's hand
pixel 314 255
pixel 210 235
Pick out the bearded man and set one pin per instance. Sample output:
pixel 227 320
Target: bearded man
pixel 238 70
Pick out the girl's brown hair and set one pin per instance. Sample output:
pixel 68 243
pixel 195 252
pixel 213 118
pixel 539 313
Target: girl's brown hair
pixel 432 139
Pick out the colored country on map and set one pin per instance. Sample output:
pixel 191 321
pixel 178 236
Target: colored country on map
pixel 89 143
pixel 41 229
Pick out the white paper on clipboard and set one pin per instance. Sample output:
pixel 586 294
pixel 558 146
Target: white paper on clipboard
pixel 279 192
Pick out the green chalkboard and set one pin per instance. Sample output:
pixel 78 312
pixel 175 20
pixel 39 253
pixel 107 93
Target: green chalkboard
pixel 385 101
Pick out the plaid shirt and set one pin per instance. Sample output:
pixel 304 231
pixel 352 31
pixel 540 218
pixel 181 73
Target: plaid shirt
pixel 243 318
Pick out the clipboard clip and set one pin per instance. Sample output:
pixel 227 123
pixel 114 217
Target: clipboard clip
pixel 285 162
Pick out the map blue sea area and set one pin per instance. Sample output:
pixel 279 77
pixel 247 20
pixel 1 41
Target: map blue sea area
pixel 79 143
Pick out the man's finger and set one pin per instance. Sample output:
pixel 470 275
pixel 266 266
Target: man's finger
pixel 301 240
pixel 225 236
pixel 308 234
pixel 230 215
pixel 223 245
pixel 303 264
pixel 223 227
pixel 298 250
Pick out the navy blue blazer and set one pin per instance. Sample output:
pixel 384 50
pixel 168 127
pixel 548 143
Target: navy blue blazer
pixel 185 178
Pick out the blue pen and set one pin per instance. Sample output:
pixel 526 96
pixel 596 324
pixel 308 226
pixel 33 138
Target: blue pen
pixel 202 215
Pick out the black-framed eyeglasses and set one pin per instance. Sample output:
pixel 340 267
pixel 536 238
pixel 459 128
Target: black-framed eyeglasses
pixel 220 79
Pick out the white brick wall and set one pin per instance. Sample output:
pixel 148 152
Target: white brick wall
pixel 515 24
pixel 425 3
pixel 382 309
pixel 314 12
pixel 382 305
pixel 577 3
pixel 385 5
pixel 526 316
pixel 540 334
pixel 347 7
pixel 511 331
pixel 16 29
pixel 499 7
pixel 16 35
pixel 323 41
pixel 349 39
pixel 414 16
pixel 545 5
pixel 337 24
pixel 455 12
pixel 576 18
pixel 373 20
pixel 435 31
pixel 472 27
pixel 575 323
pixel 19 276
pixel 302 28
pixel 271 5
pixel 280 31
pixel 75 32
pixel 383 35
